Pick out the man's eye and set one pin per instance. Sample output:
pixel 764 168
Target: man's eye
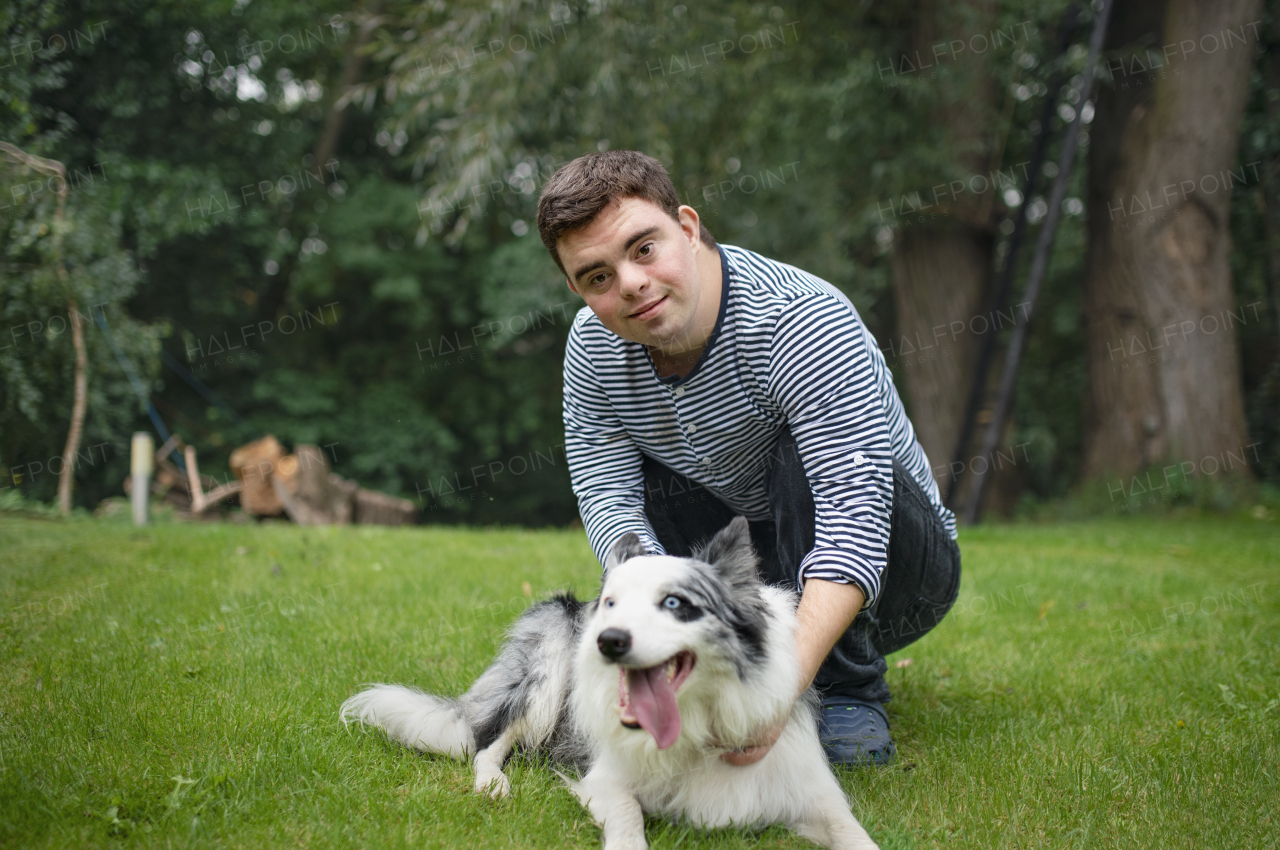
pixel 596 281
pixel 672 602
pixel 645 250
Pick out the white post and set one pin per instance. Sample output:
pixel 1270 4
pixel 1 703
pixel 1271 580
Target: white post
pixel 141 462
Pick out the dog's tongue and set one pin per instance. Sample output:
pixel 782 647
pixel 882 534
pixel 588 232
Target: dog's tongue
pixel 654 702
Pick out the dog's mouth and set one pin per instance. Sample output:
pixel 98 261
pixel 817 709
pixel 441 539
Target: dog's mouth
pixel 647 697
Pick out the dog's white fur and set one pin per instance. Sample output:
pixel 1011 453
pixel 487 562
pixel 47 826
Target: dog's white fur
pixel 729 696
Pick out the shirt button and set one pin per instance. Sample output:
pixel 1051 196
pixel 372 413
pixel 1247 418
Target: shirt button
pixel 679 391
pixel 692 428
pixel 859 459
pixel 706 461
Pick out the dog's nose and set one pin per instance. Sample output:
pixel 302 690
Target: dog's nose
pixel 614 643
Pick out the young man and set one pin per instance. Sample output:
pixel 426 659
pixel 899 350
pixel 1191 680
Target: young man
pixel 705 381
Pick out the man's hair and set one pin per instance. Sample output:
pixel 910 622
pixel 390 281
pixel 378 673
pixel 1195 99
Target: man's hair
pixel 576 194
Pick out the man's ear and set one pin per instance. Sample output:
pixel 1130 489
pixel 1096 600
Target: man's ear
pixel 690 224
pixel 572 288
pixel 627 547
pixel 731 554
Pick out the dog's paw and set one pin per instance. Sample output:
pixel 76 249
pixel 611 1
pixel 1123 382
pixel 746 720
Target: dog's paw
pixel 496 784
pixel 628 843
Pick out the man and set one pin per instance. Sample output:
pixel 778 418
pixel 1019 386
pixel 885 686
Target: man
pixel 705 381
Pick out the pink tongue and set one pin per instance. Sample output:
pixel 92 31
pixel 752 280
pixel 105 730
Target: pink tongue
pixel 654 702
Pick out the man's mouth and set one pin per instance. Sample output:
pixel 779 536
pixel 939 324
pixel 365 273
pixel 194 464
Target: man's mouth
pixel 647 311
pixel 647 697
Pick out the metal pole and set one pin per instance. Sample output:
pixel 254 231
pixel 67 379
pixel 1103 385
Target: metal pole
pixel 141 461
pixel 978 482
pixel 987 348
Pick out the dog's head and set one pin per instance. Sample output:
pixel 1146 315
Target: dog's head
pixel 672 626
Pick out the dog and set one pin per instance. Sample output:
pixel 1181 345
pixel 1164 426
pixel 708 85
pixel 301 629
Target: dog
pixel 639 692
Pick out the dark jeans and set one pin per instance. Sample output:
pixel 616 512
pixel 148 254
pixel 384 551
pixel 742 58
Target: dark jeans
pixel 917 588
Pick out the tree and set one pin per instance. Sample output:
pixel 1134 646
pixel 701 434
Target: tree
pixel 942 256
pixel 55 174
pixel 1163 360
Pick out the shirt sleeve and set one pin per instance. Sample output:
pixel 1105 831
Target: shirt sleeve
pixel 604 462
pixel 821 376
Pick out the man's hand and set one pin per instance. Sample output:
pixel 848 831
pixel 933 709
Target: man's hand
pixel 758 747
pixel 826 610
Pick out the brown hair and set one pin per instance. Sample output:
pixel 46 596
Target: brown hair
pixel 576 194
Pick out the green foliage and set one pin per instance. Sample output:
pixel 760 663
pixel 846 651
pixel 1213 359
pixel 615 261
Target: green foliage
pixel 393 303
pixel 1255 236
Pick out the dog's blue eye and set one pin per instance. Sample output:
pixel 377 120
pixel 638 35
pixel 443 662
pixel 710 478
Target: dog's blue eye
pixel 672 602
pixel 608 603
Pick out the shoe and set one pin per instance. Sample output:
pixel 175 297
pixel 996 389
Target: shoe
pixel 855 732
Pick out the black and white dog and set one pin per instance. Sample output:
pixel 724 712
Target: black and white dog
pixel 640 691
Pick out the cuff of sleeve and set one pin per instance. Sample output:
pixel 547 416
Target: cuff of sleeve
pixel 651 544
pixel 841 567
pixel 647 539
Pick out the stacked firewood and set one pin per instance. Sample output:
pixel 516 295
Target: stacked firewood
pixel 269 482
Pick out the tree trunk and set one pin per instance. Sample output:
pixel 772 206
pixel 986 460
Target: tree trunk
pixel 67 477
pixel 1163 363
pixel 353 65
pixel 940 276
pixel 942 269
pixel 53 168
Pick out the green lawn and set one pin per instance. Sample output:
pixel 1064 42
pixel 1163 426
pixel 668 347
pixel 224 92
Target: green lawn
pixel 1101 684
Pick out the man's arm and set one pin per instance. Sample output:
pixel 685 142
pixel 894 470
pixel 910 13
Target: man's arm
pixel 604 462
pixel 823 378
pixel 826 610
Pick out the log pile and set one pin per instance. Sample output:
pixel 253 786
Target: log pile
pixel 270 483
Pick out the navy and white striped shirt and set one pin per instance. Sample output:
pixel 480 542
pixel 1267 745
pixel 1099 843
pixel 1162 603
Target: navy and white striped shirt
pixel 787 349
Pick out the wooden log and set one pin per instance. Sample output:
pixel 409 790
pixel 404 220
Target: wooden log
pixel 307 489
pixel 374 508
pixel 253 465
pixel 199 500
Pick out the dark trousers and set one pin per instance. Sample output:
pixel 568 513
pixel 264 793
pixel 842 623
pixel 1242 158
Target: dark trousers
pixel 917 588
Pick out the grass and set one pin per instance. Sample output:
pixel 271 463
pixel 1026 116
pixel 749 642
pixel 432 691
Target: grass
pixel 1103 684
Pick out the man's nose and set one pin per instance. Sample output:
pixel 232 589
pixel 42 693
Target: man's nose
pixel 614 643
pixel 632 280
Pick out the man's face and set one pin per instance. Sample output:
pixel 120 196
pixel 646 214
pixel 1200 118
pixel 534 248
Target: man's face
pixel 637 269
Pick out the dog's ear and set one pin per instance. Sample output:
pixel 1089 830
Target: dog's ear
pixel 627 547
pixel 731 554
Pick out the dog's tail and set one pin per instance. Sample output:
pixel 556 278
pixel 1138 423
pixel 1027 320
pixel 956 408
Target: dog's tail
pixel 415 719
pixel 519 699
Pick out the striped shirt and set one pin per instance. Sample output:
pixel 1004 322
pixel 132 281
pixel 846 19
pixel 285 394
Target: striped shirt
pixel 787 349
